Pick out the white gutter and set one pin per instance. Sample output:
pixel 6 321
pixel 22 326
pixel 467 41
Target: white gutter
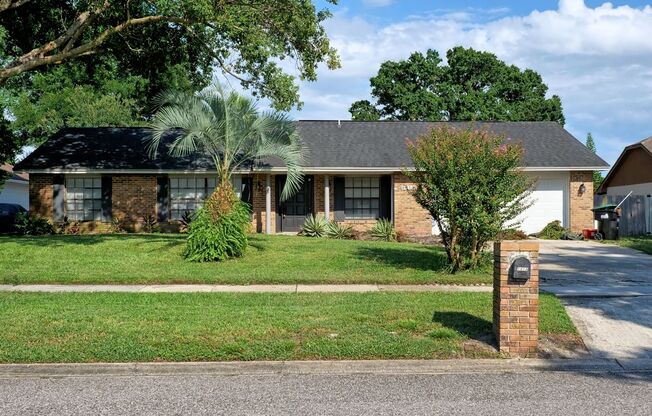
pixel 368 170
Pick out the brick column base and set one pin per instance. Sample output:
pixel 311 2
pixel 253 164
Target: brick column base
pixel 516 302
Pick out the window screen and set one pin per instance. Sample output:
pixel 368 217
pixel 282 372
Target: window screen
pixel 187 194
pixel 362 197
pixel 84 199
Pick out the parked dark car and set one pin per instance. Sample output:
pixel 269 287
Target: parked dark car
pixel 8 214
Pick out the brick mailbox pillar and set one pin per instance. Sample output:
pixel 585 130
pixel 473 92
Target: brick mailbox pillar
pixel 516 297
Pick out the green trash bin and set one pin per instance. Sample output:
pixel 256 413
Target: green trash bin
pixel 607 218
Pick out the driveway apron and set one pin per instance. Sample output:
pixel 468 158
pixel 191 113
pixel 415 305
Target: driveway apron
pixel 607 291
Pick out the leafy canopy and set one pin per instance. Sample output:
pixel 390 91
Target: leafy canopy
pixel 597 175
pixel 473 85
pixel 244 38
pixel 470 183
pixel 227 127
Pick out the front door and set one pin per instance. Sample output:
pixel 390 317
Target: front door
pixel 291 213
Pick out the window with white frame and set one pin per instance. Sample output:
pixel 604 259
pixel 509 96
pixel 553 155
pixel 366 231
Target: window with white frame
pixel 84 198
pixel 188 194
pixel 362 197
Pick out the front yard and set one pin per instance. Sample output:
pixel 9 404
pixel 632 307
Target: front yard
pixel 156 258
pixel 111 327
pixel 642 243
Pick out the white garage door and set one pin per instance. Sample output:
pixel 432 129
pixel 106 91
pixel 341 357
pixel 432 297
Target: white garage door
pixel 548 204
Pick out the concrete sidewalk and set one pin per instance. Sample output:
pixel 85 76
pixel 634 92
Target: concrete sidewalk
pixel 345 367
pixel 296 288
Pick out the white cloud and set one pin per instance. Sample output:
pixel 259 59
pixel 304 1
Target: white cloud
pixel 599 60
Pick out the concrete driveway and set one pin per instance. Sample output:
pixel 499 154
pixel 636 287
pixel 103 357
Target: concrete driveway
pixel 607 291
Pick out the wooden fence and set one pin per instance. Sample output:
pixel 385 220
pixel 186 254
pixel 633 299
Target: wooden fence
pixel 636 214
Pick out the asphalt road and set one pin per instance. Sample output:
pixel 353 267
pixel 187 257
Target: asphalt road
pixel 356 394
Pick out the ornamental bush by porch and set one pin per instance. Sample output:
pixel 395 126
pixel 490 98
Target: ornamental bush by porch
pixel 470 183
pixel 212 238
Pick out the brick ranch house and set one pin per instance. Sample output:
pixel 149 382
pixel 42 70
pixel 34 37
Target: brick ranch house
pixel 353 175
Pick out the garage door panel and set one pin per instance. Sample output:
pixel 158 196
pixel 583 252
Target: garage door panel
pixel 547 204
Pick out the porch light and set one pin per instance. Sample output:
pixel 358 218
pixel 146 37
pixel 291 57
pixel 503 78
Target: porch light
pixel 582 189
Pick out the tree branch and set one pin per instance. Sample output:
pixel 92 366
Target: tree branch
pixel 9 4
pixel 38 57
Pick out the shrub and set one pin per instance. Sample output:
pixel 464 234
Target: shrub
pixel 27 224
pixel 383 230
pixel 117 225
pixel 511 234
pixel 185 221
pixel 218 239
pixel 150 223
pixel 313 226
pixel 552 231
pixel 469 182
pixel 338 231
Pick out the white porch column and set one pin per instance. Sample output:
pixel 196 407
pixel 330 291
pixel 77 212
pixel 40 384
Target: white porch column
pixel 327 199
pixel 268 204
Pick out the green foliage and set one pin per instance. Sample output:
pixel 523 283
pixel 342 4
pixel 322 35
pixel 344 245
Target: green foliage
pixel 511 234
pixel 185 221
pixel 338 231
pixel 150 223
pixel 443 333
pixel 363 110
pixel 181 47
pixel 473 85
pixel 217 240
pixel 469 182
pixel 552 231
pixel 55 100
pixel 31 224
pixel 383 230
pixel 228 127
pixel 117 226
pixel 9 147
pixel 314 226
pixel 597 175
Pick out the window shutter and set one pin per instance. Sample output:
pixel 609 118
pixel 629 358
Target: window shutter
pixel 247 190
pixel 386 197
pixel 339 198
pixel 163 198
pixel 107 198
pixel 58 198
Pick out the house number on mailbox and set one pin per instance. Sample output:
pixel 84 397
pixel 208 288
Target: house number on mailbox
pixel 520 269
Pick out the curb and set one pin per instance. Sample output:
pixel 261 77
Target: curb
pixel 271 288
pixel 387 367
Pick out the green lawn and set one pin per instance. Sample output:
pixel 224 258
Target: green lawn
pixel 643 243
pixel 156 258
pixel 110 327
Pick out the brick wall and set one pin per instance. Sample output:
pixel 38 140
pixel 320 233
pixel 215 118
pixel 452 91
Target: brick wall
pixel 133 197
pixel 258 203
pixel 410 218
pixel 516 303
pixel 41 195
pixel 581 204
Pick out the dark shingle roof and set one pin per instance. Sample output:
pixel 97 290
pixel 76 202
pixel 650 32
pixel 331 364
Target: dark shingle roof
pixel 331 144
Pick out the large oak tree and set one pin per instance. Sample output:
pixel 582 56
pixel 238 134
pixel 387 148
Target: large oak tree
pixel 99 62
pixel 472 85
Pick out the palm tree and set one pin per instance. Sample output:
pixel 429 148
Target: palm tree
pixel 229 128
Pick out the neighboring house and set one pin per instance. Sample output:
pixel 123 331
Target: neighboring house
pixel 632 172
pixel 353 174
pixel 15 189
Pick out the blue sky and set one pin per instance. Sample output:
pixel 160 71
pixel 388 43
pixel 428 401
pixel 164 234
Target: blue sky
pixel 597 56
